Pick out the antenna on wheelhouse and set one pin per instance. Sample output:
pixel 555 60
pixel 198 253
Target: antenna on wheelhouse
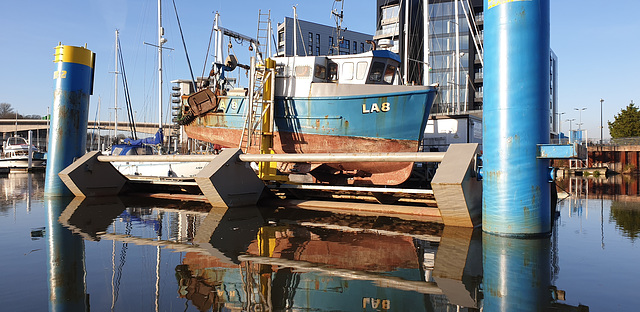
pixel 339 17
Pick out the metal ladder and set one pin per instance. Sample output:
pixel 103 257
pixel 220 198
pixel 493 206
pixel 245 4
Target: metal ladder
pixel 264 33
pixel 252 126
pixel 252 129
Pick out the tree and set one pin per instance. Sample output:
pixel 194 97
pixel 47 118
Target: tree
pixel 626 123
pixel 6 111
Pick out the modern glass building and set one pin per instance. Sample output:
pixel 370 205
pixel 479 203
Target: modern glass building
pixel 452 36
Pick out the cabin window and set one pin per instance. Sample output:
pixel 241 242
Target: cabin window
pixel 303 71
pixel 388 74
pixel 376 72
pixel 333 72
pixel 347 71
pixel 361 71
pixel 320 72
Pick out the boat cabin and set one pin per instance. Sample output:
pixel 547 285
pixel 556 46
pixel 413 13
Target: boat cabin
pixel 295 75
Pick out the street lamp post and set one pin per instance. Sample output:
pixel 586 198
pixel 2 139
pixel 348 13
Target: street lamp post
pixel 580 120
pixel 601 100
pixel 570 130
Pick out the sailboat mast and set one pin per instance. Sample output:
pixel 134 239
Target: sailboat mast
pixel 161 40
pixel 425 24
pixel 115 83
pixel 406 42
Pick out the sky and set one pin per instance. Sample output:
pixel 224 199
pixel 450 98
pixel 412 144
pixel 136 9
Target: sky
pixel 596 43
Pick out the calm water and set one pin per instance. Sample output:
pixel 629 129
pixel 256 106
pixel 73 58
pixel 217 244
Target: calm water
pixel 133 254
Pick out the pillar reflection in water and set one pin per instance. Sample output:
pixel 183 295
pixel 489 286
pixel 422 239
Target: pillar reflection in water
pixel 65 254
pixel 517 273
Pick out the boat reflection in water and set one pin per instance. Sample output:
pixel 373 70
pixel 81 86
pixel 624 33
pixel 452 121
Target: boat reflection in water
pixel 274 260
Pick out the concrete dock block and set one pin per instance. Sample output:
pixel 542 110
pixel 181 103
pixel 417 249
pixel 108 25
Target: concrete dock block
pixel 228 182
pixel 456 188
pixel 87 177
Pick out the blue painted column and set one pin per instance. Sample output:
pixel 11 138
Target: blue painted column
pixel 68 131
pixel 516 191
pixel 516 273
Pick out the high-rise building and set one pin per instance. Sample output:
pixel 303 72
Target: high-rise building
pixel 317 39
pixel 453 37
pixel 446 33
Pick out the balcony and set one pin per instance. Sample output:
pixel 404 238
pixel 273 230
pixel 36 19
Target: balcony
pixel 387 31
pixel 480 18
pixel 478 77
pixel 477 59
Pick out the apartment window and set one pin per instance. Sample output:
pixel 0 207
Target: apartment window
pixel 355 47
pixel 347 46
pixel 281 37
pixel 317 44
pixel 361 47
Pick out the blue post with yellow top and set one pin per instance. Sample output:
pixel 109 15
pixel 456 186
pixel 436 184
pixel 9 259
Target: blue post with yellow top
pixel 516 190
pixel 73 78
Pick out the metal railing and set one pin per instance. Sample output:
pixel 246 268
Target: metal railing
pixel 313 158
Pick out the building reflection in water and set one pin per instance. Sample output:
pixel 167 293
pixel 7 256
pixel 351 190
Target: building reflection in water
pixel 273 260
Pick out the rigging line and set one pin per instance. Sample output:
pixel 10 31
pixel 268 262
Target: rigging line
pixel 304 46
pixel 184 44
pixel 473 34
pixel 206 57
pixel 132 125
pixel 95 120
pixel 126 94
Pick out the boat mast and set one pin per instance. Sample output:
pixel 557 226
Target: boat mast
pixel 161 40
pixel 339 17
pixel 425 24
pixel 115 83
pixel 295 31
pixel 406 42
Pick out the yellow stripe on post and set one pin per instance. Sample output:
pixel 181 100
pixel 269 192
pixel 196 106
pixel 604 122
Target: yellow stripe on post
pixel 71 54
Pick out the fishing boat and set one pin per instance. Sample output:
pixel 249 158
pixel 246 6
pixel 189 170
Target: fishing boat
pixel 16 155
pixel 322 104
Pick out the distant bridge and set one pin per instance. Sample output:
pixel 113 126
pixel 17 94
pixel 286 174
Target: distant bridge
pixel 24 125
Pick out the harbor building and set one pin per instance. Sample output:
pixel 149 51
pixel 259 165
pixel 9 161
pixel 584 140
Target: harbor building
pixel 452 37
pixel 317 39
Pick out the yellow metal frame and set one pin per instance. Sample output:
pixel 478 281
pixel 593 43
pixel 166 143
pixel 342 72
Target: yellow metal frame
pixel 268 170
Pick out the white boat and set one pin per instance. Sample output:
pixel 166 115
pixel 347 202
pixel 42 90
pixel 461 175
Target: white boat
pixel 160 169
pixel 17 154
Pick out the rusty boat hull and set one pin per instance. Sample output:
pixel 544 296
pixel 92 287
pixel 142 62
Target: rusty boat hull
pixel 380 118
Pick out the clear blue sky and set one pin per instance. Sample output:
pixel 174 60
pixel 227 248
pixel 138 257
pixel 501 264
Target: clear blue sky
pixel 596 43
